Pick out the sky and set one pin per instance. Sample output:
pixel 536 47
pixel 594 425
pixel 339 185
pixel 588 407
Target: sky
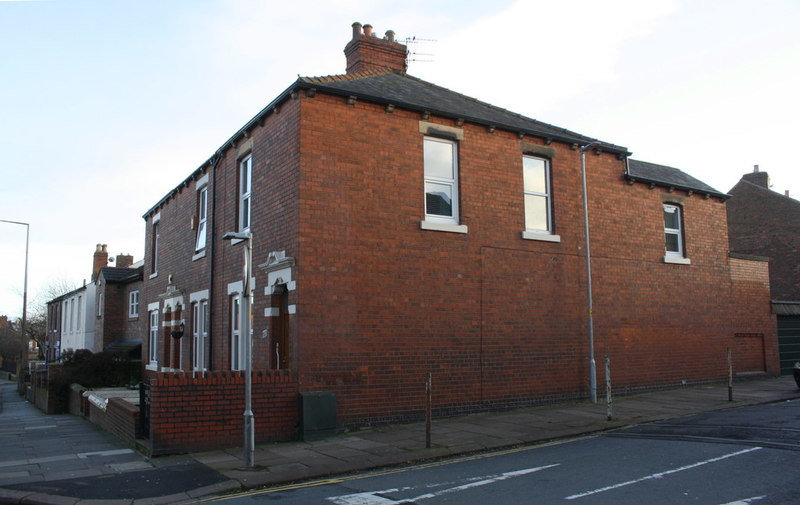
pixel 106 105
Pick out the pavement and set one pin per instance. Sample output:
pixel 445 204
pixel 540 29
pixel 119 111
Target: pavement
pixel 66 460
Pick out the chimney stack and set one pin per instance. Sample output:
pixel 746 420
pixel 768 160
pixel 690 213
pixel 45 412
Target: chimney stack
pixel 757 177
pixel 368 52
pixel 100 260
pixel 124 260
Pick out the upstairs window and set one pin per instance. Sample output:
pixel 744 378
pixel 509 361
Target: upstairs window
pixel 133 304
pixel 673 232
pixel 536 182
pixel 245 189
pixel 202 218
pixel 441 180
pixel 154 244
pixel 79 315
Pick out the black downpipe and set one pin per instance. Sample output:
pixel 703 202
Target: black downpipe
pixel 212 232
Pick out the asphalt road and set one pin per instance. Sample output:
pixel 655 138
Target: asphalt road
pixel 734 457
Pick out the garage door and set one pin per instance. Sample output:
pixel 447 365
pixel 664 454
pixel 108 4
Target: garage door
pixel 788 342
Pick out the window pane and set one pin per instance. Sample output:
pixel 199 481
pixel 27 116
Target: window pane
pixel 201 236
pixel 203 204
pixel 439 158
pixel 673 242
pixel 534 175
pixel 536 212
pixel 438 199
pixel 245 213
pixel 246 175
pixel 671 217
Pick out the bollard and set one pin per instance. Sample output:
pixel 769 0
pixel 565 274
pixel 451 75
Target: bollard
pixel 428 412
pixel 730 375
pixel 609 416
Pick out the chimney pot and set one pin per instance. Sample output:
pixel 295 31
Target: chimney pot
pixel 368 30
pixel 356 30
pixel 390 35
pixel 755 169
pixel 787 192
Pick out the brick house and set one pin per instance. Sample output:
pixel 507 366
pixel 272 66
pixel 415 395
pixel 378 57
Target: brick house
pixel 98 313
pixel 400 228
pixel 765 223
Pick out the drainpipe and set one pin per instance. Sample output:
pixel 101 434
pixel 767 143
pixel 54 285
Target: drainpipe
pixel 212 233
pixel 590 306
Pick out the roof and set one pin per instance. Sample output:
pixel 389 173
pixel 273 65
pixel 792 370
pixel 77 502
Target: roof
pixel 745 185
pixel 662 175
pixel 407 92
pixel 115 274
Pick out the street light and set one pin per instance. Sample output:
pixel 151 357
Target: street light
pixel 592 367
pixel 23 360
pixel 245 318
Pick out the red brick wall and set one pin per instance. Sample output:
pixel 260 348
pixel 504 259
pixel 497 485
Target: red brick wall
pixel 498 320
pixel 110 325
pixel 120 418
pixel 198 413
pixel 767 223
pixel 756 343
pixel 274 217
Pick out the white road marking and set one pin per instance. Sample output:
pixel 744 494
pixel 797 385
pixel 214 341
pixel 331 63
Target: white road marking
pixel 662 474
pixel 112 452
pixel 746 501
pixel 374 498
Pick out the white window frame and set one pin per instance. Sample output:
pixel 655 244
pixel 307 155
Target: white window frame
pixel 153 334
pixel 100 305
pixel 133 304
pixel 446 181
pixel 155 233
pixel 245 192
pixel 678 256
pixel 546 234
pixel 199 334
pixel 202 218
pixel 237 349
pixel 78 316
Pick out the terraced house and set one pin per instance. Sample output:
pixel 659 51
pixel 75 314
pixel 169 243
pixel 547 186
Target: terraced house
pixel 399 229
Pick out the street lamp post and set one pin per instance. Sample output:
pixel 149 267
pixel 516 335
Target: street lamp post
pixel 23 360
pixel 590 304
pixel 245 319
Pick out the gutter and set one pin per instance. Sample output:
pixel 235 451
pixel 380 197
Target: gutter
pixel 647 180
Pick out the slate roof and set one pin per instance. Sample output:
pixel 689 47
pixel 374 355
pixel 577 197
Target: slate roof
pixel 661 175
pixel 407 92
pixel 114 274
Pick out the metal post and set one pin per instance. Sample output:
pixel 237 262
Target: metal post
pixel 246 320
pixel 428 410
pixel 590 307
pixel 245 323
pixel 23 359
pixel 609 415
pixel 730 375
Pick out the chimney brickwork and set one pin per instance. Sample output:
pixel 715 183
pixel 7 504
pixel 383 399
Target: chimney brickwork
pixel 100 260
pixel 368 52
pixel 124 260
